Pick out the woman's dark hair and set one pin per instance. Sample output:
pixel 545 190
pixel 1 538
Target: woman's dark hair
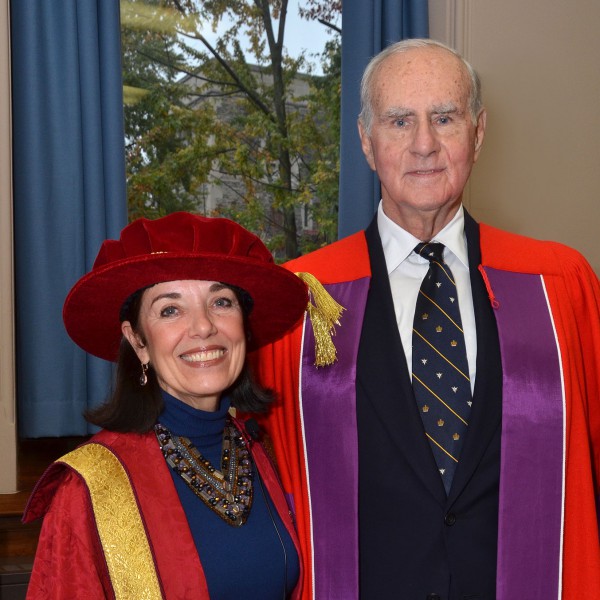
pixel 134 408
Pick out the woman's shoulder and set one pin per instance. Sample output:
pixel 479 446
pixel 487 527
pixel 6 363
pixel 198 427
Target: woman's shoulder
pixel 58 476
pixel 71 472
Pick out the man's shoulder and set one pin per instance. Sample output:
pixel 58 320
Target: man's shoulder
pixel 344 260
pixel 513 252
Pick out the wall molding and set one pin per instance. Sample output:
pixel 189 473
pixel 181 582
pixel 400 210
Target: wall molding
pixel 8 424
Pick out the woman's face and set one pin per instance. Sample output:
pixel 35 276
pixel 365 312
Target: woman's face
pixel 192 334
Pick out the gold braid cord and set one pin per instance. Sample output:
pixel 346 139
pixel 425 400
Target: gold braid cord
pixel 122 533
pixel 324 313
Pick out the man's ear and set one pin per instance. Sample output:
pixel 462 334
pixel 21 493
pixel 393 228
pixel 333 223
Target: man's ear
pixel 365 142
pixel 480 132
pixel 136 342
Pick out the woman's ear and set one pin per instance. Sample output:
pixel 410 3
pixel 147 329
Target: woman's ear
pixel 137 343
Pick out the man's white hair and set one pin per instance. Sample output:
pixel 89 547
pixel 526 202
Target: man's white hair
pixel 366 85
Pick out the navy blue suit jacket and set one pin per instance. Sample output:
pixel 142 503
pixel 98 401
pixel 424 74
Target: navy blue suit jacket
pixel 415 542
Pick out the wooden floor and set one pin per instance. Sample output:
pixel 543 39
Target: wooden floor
pixel 18 541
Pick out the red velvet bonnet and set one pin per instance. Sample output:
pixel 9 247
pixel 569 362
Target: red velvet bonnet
pixel 181 246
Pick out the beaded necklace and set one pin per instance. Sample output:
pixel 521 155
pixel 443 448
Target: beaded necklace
pixel 227 492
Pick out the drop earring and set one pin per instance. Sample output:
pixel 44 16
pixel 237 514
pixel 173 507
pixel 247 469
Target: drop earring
pixel 143 376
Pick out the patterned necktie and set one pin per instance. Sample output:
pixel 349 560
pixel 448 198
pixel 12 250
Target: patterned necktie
pixel 440 373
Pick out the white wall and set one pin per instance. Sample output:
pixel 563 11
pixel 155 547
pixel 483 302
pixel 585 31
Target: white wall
pixel 539 172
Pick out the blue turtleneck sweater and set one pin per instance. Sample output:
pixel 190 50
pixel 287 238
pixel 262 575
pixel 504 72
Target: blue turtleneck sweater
pixel 239 562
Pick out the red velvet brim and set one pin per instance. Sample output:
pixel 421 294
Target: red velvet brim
pixel 91 310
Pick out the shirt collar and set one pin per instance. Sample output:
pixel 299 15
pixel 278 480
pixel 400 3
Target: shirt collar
pixel 398 243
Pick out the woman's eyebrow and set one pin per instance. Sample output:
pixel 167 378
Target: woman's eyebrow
pixel 168 295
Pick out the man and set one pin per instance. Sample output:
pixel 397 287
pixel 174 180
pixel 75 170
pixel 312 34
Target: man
pixel 511 514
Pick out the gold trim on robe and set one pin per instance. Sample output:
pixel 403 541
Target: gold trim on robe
pixel 122 533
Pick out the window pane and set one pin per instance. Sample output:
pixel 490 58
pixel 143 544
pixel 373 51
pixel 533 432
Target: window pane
pixel 223 120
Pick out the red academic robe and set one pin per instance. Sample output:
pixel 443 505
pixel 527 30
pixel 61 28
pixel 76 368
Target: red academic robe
pixel 71 561
pixel 563 386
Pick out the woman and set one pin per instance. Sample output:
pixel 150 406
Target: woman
pixel 173 498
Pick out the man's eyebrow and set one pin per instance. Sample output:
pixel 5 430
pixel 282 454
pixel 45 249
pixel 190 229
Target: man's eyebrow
pixel 444 109
pixel 396 112
pixel 400 112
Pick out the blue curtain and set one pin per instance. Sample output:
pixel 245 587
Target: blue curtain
pixel 368 26
pixel 69 195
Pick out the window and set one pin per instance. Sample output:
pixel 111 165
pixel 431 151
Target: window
pixel 226 124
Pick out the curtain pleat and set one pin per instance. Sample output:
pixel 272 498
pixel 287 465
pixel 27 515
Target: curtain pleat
pixel 367 28
pixel 69 195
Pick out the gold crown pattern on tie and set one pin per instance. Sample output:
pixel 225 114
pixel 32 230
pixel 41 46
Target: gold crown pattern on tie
pixel 440 371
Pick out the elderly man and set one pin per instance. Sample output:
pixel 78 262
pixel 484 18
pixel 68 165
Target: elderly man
pixel 451 451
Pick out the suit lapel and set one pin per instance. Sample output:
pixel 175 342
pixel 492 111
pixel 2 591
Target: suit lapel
pixel 383 382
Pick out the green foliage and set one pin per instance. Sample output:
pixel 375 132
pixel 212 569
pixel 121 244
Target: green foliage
pixel 238 118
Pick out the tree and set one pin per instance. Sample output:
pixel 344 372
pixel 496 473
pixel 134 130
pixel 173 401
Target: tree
pixel 280 143
pixel 163 171
pixel 325 12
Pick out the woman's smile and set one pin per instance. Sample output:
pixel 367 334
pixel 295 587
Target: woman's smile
pixel 192 334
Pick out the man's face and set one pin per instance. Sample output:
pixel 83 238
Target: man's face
pixel 423 142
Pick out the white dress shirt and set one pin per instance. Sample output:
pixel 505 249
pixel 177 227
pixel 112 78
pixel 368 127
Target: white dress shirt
pixel 406 271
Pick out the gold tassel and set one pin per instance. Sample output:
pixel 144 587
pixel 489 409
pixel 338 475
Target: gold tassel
pixel 324 314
